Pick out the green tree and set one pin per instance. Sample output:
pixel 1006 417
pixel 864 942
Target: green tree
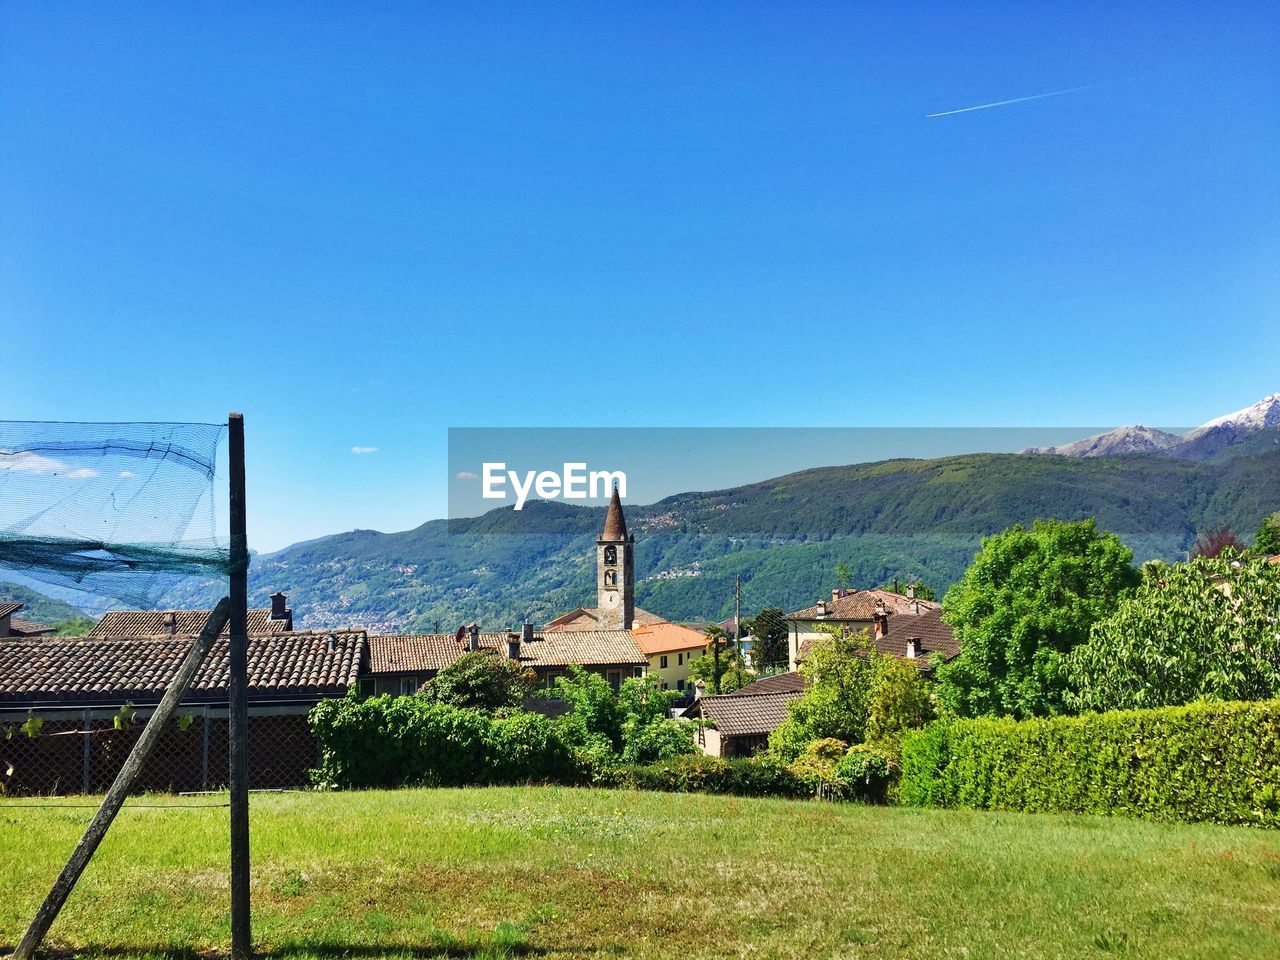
pixel 835 704
pixel 900 698
pixel 1208 629
pixel 769 636
pixel 1028 598
pixel 1268 540
pixel 595 716
pixel 480 680
pixel 844 576
pixel 723 669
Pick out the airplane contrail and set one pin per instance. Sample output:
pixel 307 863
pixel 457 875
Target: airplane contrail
pixel 1005 103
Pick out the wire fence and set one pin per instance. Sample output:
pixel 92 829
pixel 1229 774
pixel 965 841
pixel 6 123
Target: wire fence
pixel 56 752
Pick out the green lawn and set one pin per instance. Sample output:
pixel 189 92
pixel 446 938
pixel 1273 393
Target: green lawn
pixel 577 873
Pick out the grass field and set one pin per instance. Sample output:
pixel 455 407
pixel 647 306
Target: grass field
pixel 576 873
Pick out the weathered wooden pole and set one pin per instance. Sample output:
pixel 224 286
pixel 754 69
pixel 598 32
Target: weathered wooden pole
pixel 241 936
pixel 115 797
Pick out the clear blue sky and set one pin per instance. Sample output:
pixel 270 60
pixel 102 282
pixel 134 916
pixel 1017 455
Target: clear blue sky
pixel 370 223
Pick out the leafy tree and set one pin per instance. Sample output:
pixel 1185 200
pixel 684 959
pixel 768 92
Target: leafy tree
pixel 1027 599
pixel 835 703
pixel 1268 540
pixel 844 576
pixel 900 698
pixel 1212 543
pixel 724 670
pixel 769 636
pixel 1208 629
pixel 480 680
pixel 73 626
pixel 595 716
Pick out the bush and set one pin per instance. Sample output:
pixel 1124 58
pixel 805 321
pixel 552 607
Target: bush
pixel 1211 762
pixel 818 762
pixel 869 771
pixel 656 739
pixel 398 741
pixel 702 774
pixel 480 680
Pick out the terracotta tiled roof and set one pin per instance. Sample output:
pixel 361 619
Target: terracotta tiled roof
pixel 419 653
pixel 294 666
pixel 154 623
pixel 9 608
pixel 934 635
pixel 615 525
pixel 588 618
pixel 861 605
pixel 736 716
pixel 27 628
pixel 927 627
pixel 413 652
pixel 655 638
pixel 782 683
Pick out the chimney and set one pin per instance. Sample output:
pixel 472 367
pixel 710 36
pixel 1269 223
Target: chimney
pixel 822 608
pixel 913 648
pixel 699 689
pixel 279 610
pixel 911 591
pixel 882 619
pixel 170 623
pixel 513 645
pixel 474 633
pixel 331 644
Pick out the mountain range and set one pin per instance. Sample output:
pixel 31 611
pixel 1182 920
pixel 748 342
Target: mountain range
pixel 1258 425
pixel 782 537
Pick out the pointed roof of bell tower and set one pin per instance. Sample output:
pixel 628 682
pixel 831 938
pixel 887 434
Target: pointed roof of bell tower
pixel 615 525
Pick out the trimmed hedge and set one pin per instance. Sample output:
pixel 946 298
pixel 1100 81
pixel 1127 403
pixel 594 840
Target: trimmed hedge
pixel 1208 762
pixel 702 774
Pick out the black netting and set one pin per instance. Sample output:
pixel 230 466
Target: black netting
pixel 116 510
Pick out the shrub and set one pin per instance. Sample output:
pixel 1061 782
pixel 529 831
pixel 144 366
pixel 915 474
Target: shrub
pixel 656 739
pixel 1213 762
pixel 869 771
pixel 818 762
pixel 396 741
pixel 481 680
pixel 703 774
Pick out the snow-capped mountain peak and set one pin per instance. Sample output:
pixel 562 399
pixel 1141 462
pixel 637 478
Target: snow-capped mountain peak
pixel 1265 413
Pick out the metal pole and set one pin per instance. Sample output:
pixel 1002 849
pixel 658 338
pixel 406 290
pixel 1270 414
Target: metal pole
pixel 238 655
pixel 115 797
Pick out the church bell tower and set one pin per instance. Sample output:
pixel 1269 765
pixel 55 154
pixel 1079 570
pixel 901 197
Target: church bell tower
pixel 615 570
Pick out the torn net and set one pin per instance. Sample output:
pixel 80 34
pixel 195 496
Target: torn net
pixel 120 511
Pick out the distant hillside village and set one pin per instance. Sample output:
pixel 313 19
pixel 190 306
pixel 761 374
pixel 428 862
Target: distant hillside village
pixel 125 661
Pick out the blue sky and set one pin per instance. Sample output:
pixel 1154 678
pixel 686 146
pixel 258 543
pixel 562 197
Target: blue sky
pixel 368 224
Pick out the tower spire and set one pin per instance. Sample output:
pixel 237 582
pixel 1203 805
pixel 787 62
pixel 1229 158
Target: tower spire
pixel 615 525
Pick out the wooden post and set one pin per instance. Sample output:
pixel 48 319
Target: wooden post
pixel 241 937
pixel 115 797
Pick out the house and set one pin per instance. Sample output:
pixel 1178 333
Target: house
pixel 852 611
pixel 919 635
pixel 739 723
pixel 89 699
pixel 277 618
pixel 401 664
pixel 671 650
pixel 11 626
pixel 615 607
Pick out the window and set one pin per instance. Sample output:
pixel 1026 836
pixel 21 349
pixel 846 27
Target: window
pixel 611 578
pixel 679 684
pixel 662 663
pixel 614 678
pixel 408 686
pixel 610 555
pixel 679 659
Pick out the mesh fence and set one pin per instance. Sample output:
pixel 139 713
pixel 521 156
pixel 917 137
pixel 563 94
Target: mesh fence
pixel 80 751
pixel 115 510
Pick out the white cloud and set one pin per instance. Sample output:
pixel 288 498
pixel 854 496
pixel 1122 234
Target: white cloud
pixel 24 461
pixel 364 449
pixel 466 475
pixel 127 473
